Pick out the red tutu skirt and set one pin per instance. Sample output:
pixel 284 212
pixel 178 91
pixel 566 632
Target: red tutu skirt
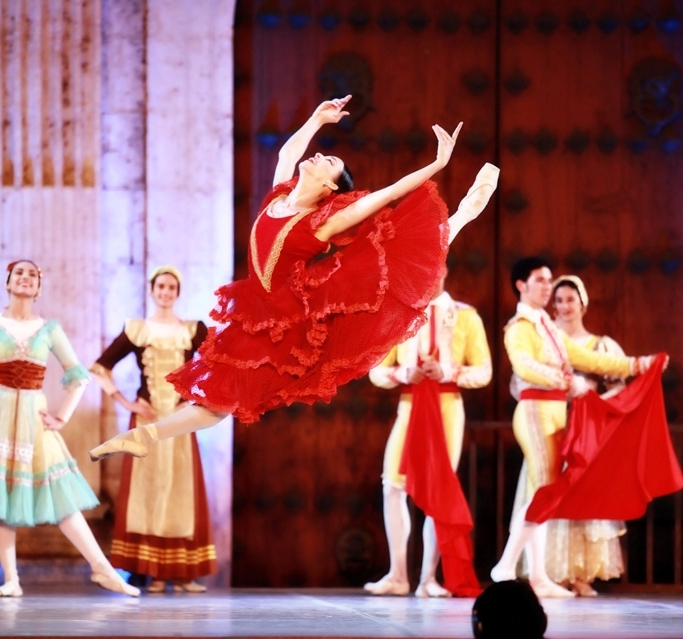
pixel 327 319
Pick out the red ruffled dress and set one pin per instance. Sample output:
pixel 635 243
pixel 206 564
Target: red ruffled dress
pixel 307 319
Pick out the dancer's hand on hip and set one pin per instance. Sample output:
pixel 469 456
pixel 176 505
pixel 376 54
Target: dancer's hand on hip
pixel 50 422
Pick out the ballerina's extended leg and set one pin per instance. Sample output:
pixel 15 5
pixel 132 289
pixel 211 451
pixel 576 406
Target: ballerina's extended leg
pixel 137 441
pixel 520 534
pixel 476 199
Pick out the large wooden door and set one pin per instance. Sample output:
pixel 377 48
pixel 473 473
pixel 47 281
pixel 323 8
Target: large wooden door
pixel 591 171
pixel 591 163
pixel 577 106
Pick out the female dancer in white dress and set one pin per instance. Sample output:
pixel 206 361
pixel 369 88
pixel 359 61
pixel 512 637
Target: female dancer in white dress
pixel 578 552
pixel 39 480
pixel 162 526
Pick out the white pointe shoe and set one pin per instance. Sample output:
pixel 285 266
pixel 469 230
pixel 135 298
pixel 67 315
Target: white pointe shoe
pixel 387 586
pixel 549 589
pixel 500 573
pixel 115 584
pixel 479 194
pixel 11 589
pixel 431 589
pixel 481 190
pixel 135 442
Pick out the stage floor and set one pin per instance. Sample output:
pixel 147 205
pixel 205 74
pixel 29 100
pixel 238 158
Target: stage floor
pixel 89 612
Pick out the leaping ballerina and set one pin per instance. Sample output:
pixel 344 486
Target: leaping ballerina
pixel 337 277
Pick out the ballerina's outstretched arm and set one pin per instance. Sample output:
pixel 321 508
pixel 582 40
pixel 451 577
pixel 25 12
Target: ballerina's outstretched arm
pixel 328 112
pixel 373 202
pixel 475 201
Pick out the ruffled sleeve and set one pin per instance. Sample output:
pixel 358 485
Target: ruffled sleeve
pixel 75 376
pixel 75 373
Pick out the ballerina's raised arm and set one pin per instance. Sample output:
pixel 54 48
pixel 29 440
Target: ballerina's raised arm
pixel 373 202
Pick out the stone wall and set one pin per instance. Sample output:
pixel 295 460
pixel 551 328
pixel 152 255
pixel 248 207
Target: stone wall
pixel 117 157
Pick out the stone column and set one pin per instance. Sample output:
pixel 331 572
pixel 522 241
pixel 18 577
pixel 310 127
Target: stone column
pixel 190 186
pixel 123 199
pixel 49 189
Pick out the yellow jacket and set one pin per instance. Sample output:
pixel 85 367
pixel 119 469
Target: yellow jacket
pixel 542 355
pixel 462 349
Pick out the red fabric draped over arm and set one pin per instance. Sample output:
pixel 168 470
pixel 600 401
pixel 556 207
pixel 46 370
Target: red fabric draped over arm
pixel 618 453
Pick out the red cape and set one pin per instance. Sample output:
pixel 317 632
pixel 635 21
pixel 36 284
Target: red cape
pixel 618 456
pixel 435 489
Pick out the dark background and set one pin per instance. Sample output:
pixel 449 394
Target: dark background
pixel 578 102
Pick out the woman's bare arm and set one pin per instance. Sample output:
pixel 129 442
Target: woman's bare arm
pixel 328 112
pixel 373 202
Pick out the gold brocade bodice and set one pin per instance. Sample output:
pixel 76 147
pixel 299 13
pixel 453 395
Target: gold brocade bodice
pixel 161 355
pixel 159 359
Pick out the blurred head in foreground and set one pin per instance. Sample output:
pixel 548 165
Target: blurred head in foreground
pixel 508 609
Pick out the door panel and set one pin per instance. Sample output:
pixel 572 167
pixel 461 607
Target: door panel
pixel 557 97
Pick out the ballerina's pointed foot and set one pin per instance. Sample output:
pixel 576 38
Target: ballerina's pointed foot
pixel 549 589
pixel 431 589
pixel 387 586
pixel 135 442
pixel 481 191
pixel 115 583
pixel 476 199
pixel 11 589
pixel 502 573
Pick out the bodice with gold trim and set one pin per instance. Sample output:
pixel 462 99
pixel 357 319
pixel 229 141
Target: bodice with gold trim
pixel 156 355
pixel 269 263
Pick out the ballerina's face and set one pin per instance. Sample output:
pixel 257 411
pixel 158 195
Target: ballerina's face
pixel 165 290
pixel 326 168
pixel 567 304
pixel 24 280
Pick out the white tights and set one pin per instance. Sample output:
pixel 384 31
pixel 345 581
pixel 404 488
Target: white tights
pixel 397 527
pixel 75 529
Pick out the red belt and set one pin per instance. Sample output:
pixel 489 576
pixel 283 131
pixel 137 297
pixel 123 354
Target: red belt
pixel 22 375
pixel 448 387
pixel 554 395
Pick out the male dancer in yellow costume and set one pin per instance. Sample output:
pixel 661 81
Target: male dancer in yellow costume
pixel 543 358
pixel 452 349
